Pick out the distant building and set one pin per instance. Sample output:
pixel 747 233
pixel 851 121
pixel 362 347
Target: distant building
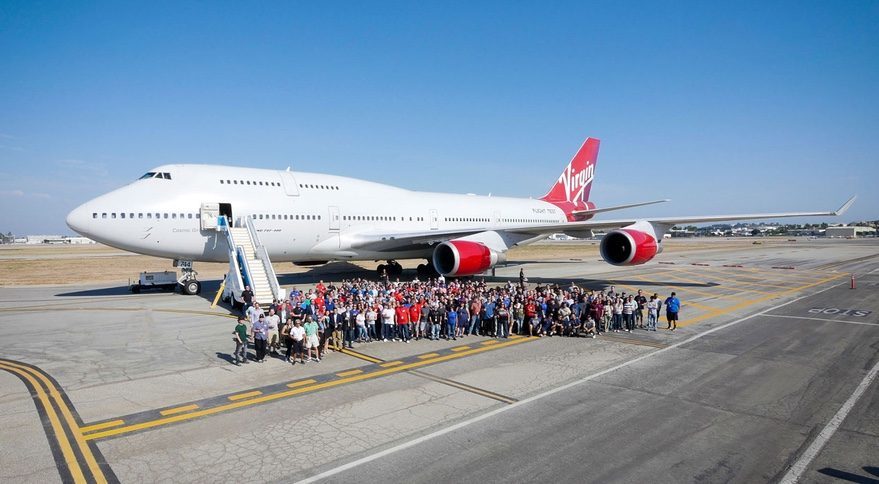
pixel 53 239
pixel 848 231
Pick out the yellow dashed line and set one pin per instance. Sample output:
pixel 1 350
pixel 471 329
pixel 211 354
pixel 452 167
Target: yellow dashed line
pixel 185 408
pixel 242 396
pixel 390 364
pixel 101 426
pixel 490 342
pixel 428 356
pixel 349 373
pixel 288 393
pixel 301 383
pixel 460 348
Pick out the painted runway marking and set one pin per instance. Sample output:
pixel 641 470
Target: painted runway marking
pixel 101 426
pixel 390 364
pixel 466 423
pixel 242 396
pixel 796 471
pixel 76 460
pixel 301 383
pixel 350 372
pixel 184 408
pixel 428 356
pixel 460 348
pixel 862 323
pixel 242 400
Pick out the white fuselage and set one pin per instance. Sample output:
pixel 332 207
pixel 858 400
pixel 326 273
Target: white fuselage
pixel 300 217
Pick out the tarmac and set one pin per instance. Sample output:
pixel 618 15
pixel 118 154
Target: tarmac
pixel 770 377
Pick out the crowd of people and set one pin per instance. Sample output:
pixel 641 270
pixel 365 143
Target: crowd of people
pixel 308 324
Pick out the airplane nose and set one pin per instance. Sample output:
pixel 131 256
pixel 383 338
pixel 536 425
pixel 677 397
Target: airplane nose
pixel 77 219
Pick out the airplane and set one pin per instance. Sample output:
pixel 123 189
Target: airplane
pixel 180 212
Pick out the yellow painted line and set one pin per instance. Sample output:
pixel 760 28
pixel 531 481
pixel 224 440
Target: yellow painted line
pixel 101 426
pixel 391 364
pixel 184 408
pixel 685 290
pixel 515 336
pixel 490 342
pixel 242 396
pixel 349 373
pixel 294 391
pixel 360 355
pixel 745 304
pixel 741 282
pixel 301 383
pixel 700 306
pixel 460 348
pixel 71 422
pixel 60 435
pixel 429 355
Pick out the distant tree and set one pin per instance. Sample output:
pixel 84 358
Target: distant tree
pixel 755 232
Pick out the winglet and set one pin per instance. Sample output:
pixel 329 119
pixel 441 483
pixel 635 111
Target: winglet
pixel 845 206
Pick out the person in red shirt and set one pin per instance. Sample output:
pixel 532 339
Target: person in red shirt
pixel 321 288
pixel 414 316
pixel 531 316
pixel 402 317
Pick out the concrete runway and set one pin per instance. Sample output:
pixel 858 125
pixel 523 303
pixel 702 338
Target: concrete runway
pixel 744 391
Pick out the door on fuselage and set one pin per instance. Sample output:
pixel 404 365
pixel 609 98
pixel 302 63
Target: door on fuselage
pixel 226 211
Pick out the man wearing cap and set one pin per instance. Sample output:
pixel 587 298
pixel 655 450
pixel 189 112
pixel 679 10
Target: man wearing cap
pixel 240 338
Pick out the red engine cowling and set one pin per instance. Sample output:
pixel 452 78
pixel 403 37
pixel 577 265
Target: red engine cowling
pixel 628 247
pixel 463 258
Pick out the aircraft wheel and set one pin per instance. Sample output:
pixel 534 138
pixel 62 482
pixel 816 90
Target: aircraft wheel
pixel 192 287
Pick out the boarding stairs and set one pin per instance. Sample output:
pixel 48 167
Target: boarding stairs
pixel 249 259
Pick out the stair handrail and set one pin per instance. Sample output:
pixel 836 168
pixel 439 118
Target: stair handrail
pixel 233 253
pixel 263 255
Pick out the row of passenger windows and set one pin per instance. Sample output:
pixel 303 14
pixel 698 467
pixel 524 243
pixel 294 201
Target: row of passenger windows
pixel 381 218
pixel 466 219
pixel 531 220
pixel 250 182
pixel 147 215
pixel 318 187
pixel 174 216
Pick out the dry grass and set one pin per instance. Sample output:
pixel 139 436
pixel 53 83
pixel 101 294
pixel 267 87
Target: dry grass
pixel 95 263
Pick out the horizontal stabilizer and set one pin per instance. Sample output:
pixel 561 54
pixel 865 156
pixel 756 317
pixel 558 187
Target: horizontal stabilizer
pixel 617 207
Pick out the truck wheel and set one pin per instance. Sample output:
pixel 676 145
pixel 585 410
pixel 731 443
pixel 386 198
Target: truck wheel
pixel 135 288
pixel 192 287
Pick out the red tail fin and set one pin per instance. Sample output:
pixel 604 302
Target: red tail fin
pixel 575 182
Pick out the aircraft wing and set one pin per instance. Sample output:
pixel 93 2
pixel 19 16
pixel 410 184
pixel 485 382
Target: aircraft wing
pixel 386 241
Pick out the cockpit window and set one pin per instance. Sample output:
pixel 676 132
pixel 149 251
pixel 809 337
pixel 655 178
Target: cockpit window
pixel 155 174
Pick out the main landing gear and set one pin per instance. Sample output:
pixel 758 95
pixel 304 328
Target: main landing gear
pixel 391 269
pixel 189 284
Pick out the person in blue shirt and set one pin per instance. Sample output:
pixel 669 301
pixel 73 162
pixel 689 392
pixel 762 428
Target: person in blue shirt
pixel 451 322
pixel 672 306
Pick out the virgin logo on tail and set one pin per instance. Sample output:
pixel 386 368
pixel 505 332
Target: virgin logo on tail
pixel 575 181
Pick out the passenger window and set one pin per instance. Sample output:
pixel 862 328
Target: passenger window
pixel 122 215
pixel 104 215
pixel 173 215
pixel 149 215
pixel 189 215
pixel 94 214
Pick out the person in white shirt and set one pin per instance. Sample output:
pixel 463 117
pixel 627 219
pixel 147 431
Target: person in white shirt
pixel 297 334
pixel 387 322
pixel 273 321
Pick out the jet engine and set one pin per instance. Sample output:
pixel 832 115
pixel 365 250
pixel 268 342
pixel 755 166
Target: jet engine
pixel 631 245
pixel 456 258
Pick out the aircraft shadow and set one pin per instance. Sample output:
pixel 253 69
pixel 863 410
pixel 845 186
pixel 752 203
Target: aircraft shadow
pixel 597 284
pixel 851 477
pixel 104 291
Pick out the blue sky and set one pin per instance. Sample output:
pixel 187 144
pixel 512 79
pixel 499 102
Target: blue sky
pixel 724 108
